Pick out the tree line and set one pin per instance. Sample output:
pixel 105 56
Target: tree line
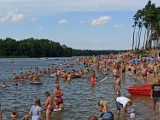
pixel 33 48
pixel 147 21
pixel 43 48
pixel 96 52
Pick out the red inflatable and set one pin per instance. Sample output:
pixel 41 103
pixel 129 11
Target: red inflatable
pixel 140 90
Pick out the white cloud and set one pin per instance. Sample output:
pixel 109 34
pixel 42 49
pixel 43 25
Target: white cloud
pixel 63 21
pixel 17 17
pixel 13 16
pixel 101 20
pixel 119 26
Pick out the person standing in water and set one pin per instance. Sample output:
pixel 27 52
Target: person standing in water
pixel 49 105
pixel 123 68
pixel 144 73
pixel 122 102
pixel 104 109
pixel 69 76
pixel 58 100
pixel 92 78
pixel 155 70
pixel 155 95
pixel 115 72
pixel 36 111
pixel 117 82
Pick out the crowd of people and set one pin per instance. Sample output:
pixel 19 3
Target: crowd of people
pixel 116 66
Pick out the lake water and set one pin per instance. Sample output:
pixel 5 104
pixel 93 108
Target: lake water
pixel 80 98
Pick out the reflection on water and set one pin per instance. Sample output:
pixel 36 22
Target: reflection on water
pixel 79 97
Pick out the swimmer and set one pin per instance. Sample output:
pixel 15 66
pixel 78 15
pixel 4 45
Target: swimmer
pixel 15 77
pixel 4 85
pixel 14 115
pixel 69 76
pixel 64 76
pixel 80 72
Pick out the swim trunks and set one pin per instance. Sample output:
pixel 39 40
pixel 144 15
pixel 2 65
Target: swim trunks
pixel 51 109
pixel 58 101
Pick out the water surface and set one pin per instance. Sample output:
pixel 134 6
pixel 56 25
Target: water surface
pixel 80 98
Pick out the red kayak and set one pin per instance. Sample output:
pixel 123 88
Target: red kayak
pixel 140 90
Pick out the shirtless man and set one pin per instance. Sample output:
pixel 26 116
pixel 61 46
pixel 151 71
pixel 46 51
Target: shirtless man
pixel 64 76
pixel 115 72
pixel 36 78
pixel 155 70
pixel 144 73
pixel 69 76
pixel 86 71
pixel 58 100
pixel 129 70
pixel 117 83
pixel 81 72
pixel 49 105
pixel 123 68
pixel 15 78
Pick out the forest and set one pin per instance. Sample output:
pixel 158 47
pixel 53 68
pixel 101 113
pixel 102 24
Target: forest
pixel 33 48
pixel 43 48
pixel 96 52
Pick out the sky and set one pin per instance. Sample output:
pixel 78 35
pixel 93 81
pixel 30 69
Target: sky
pixel 79 24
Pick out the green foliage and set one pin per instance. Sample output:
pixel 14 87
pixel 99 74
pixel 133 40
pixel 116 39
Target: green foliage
pixel 148 18
pixel 95 52
pixel 44 48
pixel 140 52
pixel 33 48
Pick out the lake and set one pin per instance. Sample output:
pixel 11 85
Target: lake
pixel 80 98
